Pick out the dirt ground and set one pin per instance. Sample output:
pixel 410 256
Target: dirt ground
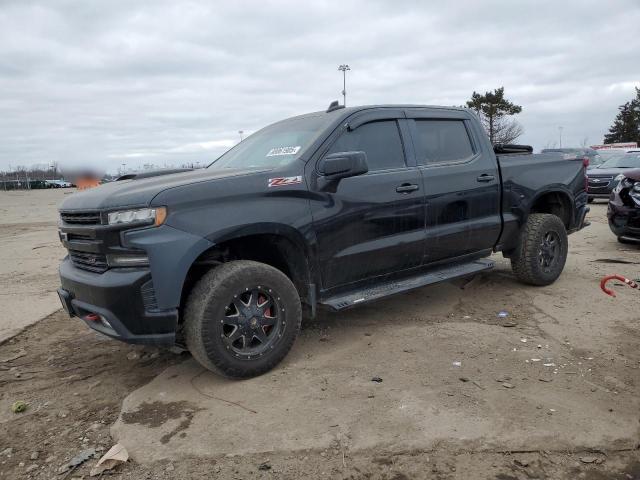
pixel 549 392
pixel 29 248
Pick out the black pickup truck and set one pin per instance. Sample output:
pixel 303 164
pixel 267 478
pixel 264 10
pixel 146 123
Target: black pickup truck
pixel 330 209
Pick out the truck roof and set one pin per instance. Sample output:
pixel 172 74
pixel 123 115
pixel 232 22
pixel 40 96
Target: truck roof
pixel 350 110
pixel 343 112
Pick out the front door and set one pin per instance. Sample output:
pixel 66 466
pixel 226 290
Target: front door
pixel 372 224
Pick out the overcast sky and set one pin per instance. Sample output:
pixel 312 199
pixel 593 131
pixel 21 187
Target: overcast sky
pixel 112 82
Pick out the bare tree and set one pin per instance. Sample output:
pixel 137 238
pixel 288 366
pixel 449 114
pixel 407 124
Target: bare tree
pixel 506 131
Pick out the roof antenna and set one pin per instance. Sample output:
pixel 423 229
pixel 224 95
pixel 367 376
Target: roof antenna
pixel 335 105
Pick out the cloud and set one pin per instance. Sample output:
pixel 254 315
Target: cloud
pixel 203 146
pixel 174 81
pixel 197 147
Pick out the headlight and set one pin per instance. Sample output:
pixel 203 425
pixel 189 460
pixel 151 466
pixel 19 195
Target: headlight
pixel 154 216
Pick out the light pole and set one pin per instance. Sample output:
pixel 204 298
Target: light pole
pixel 560 134
pixel 343 68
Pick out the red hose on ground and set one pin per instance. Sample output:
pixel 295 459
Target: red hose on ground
pixel 603 283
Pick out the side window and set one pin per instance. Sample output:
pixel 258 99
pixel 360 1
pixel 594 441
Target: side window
pixel 442 141
pixel 379 140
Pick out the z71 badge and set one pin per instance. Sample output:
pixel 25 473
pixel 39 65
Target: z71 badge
pixel 282 181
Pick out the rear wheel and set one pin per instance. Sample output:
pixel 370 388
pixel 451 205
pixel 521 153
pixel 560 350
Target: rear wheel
pixel 542 250
pixel 242 318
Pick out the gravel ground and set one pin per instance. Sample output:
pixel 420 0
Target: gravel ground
pixel 499 415
pixel 29 250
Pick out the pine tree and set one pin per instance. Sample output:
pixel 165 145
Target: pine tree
pixel 493 108
pixel 626 126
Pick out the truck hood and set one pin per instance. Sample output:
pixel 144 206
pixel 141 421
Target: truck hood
pixel 139 191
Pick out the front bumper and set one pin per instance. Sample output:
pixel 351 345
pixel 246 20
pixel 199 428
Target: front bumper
pixel 624 221
pixel 118 303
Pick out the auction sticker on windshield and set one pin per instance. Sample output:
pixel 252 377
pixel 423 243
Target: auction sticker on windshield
pixel 274 152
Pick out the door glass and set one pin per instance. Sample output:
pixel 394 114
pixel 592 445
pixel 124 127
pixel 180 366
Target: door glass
pixel 379 140
pixel 442 141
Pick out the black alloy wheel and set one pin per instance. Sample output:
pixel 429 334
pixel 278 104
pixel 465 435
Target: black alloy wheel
pixel 549 251
pixel 253 322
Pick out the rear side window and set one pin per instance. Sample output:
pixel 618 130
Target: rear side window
pixel 379 140
pixel 442 141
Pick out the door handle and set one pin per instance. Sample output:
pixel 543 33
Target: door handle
pixel 486 178
pixel 407 188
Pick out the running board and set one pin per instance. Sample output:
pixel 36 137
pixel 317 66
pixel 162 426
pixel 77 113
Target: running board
pixel 357 297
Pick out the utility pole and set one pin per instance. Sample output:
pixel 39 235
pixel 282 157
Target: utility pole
pixel 343 68
pixel 560 132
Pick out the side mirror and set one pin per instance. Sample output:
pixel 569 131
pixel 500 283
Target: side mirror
pixel 343 165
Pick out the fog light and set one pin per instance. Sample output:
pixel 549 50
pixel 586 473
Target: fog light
pixel 139 260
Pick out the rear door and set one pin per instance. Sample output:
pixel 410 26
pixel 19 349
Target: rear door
pixel 462 184
pixel 372 224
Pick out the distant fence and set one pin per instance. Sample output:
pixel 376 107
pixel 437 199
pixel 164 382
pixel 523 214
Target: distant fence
pixel 28 184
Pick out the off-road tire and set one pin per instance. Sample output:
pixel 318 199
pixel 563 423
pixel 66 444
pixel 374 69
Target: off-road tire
pixel 207 302
pixel 526 263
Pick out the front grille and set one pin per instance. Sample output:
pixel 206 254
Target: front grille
pixel 149 296
pixel 81 218
pixel 94 262
pixel 600 181
pixel 600 184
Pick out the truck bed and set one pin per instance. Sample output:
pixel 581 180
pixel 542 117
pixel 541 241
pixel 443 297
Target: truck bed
pixel 526 178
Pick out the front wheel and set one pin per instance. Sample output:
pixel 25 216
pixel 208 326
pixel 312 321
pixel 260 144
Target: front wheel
pixel 242 318
pixel 542 250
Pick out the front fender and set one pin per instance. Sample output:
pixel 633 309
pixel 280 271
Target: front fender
pixel 261 228
pixel 171 253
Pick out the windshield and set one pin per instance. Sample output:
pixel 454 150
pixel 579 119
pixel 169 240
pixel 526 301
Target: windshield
pixel 626 160
pixel 274 146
